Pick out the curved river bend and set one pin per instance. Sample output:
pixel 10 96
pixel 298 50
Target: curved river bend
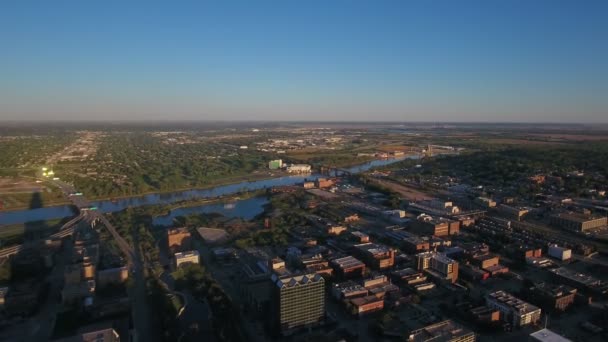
pixel 246 209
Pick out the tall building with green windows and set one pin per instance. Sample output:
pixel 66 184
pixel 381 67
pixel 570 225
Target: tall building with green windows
pixel 298 301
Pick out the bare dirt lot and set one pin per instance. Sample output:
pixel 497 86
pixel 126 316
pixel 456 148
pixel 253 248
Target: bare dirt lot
pixel 406 192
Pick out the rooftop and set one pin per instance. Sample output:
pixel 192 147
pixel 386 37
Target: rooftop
pixel 438 332
pixel 512 302
pixel 349 287
pixel 365 300
pixel 186 254
pixel 547 335
pixel 172 231
pixel 576 217
pixel 575 276
pixel 373 248
pixel 359 234
pixel 347 262
pixel 291 281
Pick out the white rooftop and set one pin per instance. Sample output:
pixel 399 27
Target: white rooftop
pixel 547 335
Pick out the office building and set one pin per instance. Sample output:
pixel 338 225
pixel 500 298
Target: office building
pixel 436 226
pixel 438 266
pixel 298 301
pixel 513 310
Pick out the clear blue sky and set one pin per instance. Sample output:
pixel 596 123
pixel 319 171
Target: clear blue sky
pixel 528 60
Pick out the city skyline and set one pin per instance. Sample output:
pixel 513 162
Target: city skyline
pixel 288 61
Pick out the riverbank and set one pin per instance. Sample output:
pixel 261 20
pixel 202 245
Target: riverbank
pixel 225 181
pixel 266 181
pixel 262 175
pixel 166 209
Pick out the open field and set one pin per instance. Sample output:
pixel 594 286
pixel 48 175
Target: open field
pixel 406 192
pixel 22 193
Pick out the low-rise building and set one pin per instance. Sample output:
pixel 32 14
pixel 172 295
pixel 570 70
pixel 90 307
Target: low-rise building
pixel 472 273
pixel 581 281
pixel 308 185
pixel 360 237
pixel 409 277
pixel 179 240
pixel 513 212
pixel 320 267
pixel 485 202
pixel 348 267
pixel 559 253
pixel 376 256
pixel 323 183
pixel 224 254
pixel 74 293
pixel 485 260
pixel 335 230
pixel 299 168
pixel 348 290
pixel 188 257
pixel 484 314
pixel 410 242
pixel 445 331
pixel 379 286
pixel 578 222
pixel 513 310
pixel 352 218
pixel 437 226
pixel 362 306
pixel 552 297
pixel 116 275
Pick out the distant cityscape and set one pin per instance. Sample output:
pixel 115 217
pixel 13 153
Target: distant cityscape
pixel 396 233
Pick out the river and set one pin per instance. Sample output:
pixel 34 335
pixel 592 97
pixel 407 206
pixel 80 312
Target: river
pixel 246 209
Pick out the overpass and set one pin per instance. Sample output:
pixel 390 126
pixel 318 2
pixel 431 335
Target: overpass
pixel 333 171
pixel 66 230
